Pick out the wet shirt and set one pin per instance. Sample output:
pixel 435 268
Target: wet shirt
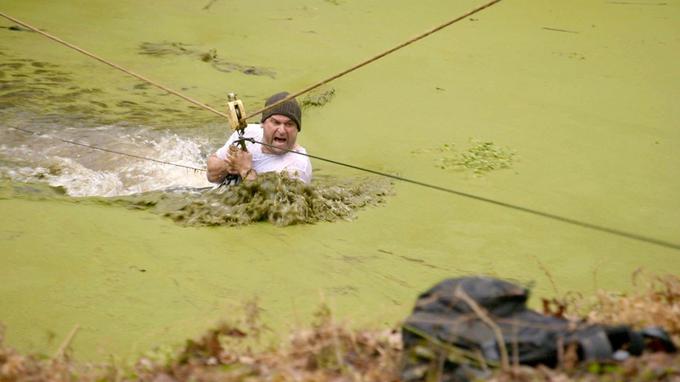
pixel 298 166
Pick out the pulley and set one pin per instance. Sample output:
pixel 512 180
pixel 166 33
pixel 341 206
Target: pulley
pixel 236 112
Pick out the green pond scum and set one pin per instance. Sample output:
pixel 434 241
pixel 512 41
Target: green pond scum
pixel 317 98
pixel 163 49
pixel 51 93
pixel 272 197
pixel 480 158
pixel 573 104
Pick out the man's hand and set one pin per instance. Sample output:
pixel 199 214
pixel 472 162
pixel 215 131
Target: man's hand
pixel 240 162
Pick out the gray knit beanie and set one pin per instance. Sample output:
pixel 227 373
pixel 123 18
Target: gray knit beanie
pixel 290 109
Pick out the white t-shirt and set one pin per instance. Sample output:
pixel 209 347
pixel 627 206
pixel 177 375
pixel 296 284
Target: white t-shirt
pixel 298 166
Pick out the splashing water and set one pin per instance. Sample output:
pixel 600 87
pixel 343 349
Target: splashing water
pixel 85 172
pixel 43 166
pixel 183 195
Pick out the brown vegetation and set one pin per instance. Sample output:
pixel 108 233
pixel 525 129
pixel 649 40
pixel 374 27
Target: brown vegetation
pixel 331 351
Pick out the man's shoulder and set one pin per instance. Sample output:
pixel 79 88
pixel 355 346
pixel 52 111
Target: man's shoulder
pixel 253 130
pixel 299 155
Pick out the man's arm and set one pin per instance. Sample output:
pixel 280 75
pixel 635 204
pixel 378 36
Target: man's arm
pixel 237 162
pixel 217 169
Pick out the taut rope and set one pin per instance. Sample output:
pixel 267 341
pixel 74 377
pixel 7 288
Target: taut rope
pixel 248 116
pixel 612 231
pixel 375 58
pixel 115 66
pixel 563 219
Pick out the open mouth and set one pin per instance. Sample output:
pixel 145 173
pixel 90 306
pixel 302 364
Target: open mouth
pixel 280 141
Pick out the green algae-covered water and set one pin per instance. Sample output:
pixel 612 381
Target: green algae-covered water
pixel 568 107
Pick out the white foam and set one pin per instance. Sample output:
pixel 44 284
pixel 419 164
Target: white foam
pixel 86 172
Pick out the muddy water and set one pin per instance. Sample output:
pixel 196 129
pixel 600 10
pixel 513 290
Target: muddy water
pixel 573 103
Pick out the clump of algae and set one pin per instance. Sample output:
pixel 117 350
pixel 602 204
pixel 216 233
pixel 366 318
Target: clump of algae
pixel 272 197
pixel 317 98
pixel 34 92
pixel 168 48
pixel 480 158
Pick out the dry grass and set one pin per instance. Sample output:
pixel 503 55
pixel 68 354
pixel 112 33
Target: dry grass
pixel 332 351
pixel 655 300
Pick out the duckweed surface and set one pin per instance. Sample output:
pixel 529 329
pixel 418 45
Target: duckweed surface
pixel 584 92
pixel 165 48
pixel 317 98
pixel 479 158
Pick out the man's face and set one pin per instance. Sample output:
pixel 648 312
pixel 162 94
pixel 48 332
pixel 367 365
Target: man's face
pixel 280 132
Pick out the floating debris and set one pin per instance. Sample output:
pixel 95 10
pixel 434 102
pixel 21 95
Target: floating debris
pixel 318 98
pixel 17 28
pixel 209 4
pixel 165 48
pixel 559 30
pixel 45 92
pixel 228 67
pixel 480 158
pixel 272 197
pixel 168 48
pixel 211 55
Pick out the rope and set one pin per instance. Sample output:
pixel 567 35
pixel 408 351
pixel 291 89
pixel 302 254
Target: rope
pixel 374 58
pixel 107 150
pixel 582 224
pixel 115 66
pixel 612 231
pixel 248 116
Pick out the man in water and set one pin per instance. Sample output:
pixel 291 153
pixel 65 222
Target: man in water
pixel 278 130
